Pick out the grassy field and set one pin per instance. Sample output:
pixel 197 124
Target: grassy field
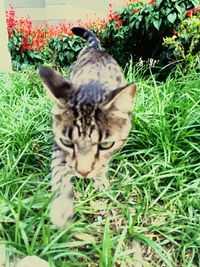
pixel 150 216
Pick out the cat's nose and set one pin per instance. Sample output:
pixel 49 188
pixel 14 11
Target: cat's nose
pixel 84 174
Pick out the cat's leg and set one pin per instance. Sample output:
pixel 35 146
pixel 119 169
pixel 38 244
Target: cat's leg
pixel 32 261
pixel 61 210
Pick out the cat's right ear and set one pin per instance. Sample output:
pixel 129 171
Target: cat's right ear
pixel 57 86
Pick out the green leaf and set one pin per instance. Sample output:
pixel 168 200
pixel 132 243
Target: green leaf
pixel 137 24
pixel 158 2
pixel 31 54
pixel 70 56
pixel 70 42
pixel 195 3
pixel 140 18
pixel 38 56
pixel 157 23
pixel 183 6
pixel 15 40
pixel 65 46
pixel 107 255
pixel 77 48
pixel 61 57
pixel 168 11
pixel 179 9
pixel 172 17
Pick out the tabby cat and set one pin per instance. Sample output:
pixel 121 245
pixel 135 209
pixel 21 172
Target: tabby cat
pixel 91 120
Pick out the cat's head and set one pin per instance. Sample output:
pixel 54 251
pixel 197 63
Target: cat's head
pixel 88 123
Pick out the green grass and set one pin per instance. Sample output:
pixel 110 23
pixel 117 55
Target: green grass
pixel 151 212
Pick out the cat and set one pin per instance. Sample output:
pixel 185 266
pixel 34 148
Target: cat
pixel 91 121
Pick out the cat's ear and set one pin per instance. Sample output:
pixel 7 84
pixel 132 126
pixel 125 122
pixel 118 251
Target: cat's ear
pixel 57 86
pixel 121 99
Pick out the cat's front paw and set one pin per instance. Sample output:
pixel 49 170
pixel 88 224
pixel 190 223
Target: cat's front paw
pixel 62 210
pixel 32 261
pixel 101 184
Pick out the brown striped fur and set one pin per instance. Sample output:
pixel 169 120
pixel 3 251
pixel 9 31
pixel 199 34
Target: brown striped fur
pixel 92 109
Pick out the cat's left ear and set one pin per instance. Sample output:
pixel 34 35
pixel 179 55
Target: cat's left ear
pixel 59 88
pixel 121 98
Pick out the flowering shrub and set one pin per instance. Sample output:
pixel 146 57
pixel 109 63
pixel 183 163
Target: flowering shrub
pixel 184 45
pixel 28 44
pixel 143 28
pixel 34 45
pixel 137 30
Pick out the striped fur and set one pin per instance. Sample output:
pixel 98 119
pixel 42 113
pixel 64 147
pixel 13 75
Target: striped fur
pixel 91 121
pixel 88 35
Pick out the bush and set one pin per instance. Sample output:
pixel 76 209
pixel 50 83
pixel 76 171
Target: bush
pixel 64 51
pixel 184 45
pixel 143 28
pixel 20 54
pixel 28 44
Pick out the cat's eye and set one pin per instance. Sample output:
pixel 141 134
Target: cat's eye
pixel 106 145
pixel 67 142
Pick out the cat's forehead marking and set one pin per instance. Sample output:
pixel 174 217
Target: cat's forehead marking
pixel 90 133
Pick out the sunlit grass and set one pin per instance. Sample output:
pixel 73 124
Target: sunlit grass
pixel 153 202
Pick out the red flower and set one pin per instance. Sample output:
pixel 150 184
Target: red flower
pixel 118 24
pixel 113 16
pixel 135 10
pixel 153 1
pixel 190 12
pixel 175 32
pixel 197 10
pixel 25 38
pixel 22 48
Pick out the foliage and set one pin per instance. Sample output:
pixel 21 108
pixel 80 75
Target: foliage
pixel 136 31
pixel 64 51
pixel 184 45
pixel 28 44
pixel 143 28
pixel 34 45
pixel 22 53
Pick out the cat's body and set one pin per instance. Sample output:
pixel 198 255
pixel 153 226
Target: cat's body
pixel 91 121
